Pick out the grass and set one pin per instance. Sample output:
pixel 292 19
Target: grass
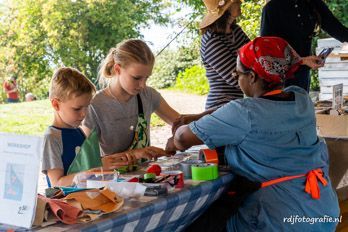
pixel 29 118
pixel 32 118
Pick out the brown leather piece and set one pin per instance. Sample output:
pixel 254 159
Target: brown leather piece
pixel 104 200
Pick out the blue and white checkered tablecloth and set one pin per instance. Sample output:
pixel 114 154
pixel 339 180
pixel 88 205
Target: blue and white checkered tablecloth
pixel 170 213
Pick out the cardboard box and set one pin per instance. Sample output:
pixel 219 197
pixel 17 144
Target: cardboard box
pixel 334 128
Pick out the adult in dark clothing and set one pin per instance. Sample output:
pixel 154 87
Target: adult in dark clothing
pixel 297 21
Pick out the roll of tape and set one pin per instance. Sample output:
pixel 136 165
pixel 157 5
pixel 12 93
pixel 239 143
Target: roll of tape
pixel 207 171
pixel 185 167
pixel 209 156
pixel 178 181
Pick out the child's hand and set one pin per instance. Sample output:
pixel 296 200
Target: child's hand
pixel 147 153
pixel 184 119
pixel 111 162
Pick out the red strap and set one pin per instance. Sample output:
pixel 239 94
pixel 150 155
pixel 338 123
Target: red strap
pixel 279 180
pixel 312 186
pixel 273 92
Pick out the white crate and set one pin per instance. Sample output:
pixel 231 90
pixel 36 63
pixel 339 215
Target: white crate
pixel 335 70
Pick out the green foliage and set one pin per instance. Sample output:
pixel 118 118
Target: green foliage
pixel 193 80
pixel 156 121
pixel 251 13
pixel 32 118
pixel 171 62
pixel 339 8
pixel 315 80
pixel 249 20
pixel 251 17
pixel 197 5
pixel 314 84
pixel 165 70
pixel 37 36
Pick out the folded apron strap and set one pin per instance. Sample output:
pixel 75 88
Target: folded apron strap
pixel 311 187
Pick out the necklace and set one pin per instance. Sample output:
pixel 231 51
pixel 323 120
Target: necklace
pixel 122 106
pixel 111 94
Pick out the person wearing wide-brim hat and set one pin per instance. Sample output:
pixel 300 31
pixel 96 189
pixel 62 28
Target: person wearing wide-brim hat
pixel 215 9
pixel 221 38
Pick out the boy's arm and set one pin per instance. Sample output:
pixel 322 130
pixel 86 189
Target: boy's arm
pixel 52 164
pixel 57 177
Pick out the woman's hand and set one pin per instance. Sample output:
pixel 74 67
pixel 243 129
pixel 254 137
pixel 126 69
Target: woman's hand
pixel 170 147
pixel 314 62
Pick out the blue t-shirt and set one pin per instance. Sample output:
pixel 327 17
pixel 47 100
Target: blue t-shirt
pixel 60 147
pixel 267 139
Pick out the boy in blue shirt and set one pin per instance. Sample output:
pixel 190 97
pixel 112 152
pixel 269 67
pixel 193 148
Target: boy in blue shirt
pixel 70 94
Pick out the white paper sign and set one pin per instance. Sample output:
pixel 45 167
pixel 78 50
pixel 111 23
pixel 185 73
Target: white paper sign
pixel 19 172
pixel 337 95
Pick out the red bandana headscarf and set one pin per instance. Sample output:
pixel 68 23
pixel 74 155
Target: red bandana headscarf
pixel 271 58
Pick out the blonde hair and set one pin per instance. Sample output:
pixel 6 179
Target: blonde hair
pixel 125 53
pixel 69 82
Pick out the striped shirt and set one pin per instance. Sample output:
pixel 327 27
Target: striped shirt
pixel 219 56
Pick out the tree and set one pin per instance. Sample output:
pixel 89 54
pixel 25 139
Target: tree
pixel 40 35
pixel 249 20
pixel 251 16
pixel 251 13
pixel 171 62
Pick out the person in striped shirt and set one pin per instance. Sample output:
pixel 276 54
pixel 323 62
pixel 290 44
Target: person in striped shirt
pixel 221 39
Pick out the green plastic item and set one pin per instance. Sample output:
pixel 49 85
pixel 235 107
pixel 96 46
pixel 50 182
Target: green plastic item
pixel 125 169
pixel 149 176
pixel 204 171
pixel 122 170
pixel 88 156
